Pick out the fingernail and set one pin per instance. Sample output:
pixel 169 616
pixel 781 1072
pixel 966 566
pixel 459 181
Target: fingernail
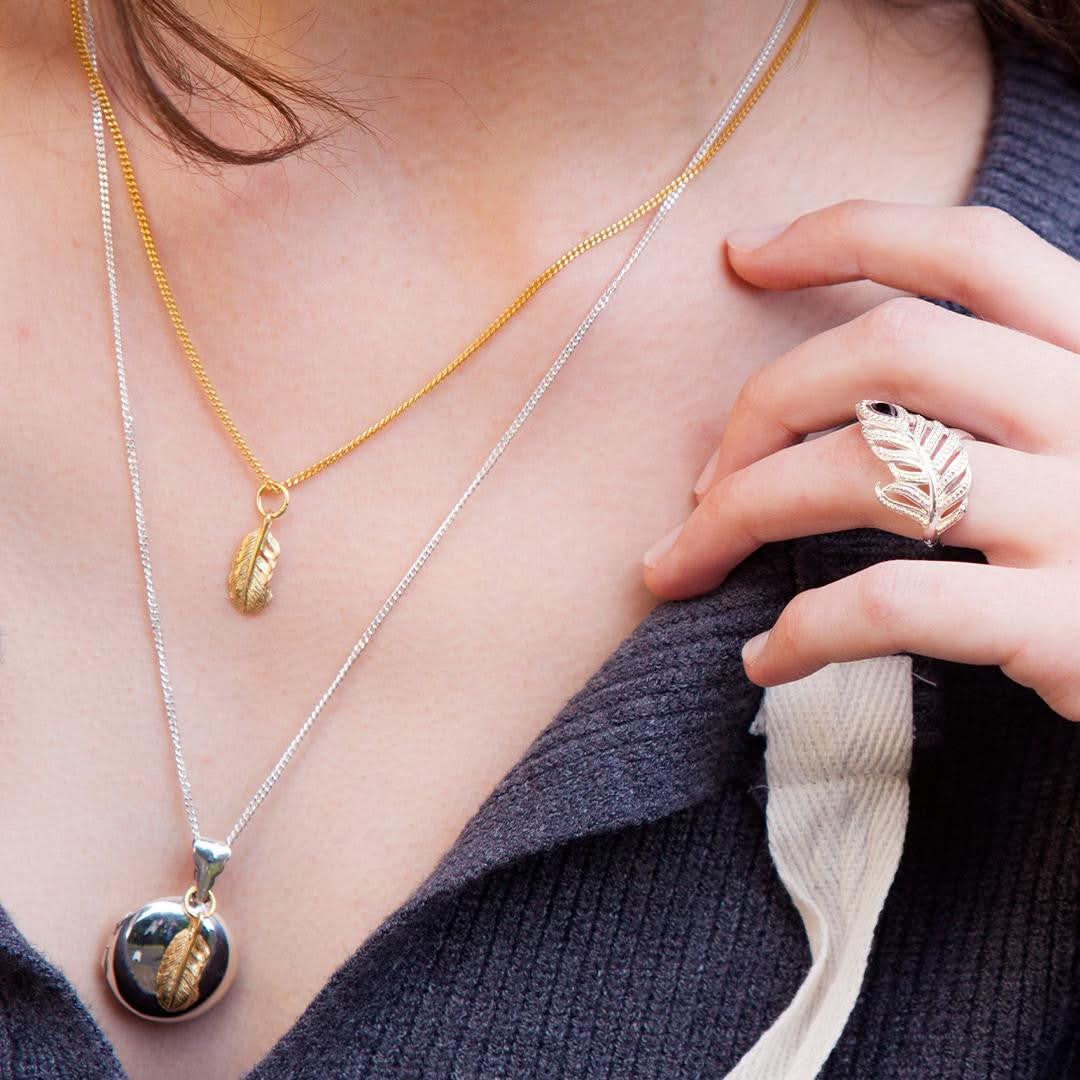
pixel 752 239
pixel 661 547
pixel 701 485
pixel 753 648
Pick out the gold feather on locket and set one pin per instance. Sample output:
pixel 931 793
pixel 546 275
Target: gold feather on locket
pixel 177 980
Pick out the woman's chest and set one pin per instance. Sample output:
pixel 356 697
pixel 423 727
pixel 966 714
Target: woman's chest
pixel 528 592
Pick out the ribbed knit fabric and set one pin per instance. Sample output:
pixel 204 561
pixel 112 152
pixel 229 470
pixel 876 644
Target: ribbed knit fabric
pixel 612 910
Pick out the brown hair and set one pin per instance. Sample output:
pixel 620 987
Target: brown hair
pixel 1054 24
pixel 164 53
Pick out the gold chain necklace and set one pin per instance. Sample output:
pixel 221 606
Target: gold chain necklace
pixel 256 558
pixel 172 958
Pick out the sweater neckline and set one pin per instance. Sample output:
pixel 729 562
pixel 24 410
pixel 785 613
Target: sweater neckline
pixel 664 723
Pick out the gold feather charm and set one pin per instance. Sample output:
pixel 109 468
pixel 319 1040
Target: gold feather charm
pixel 252 568
pixel 181 968
pixel 255 559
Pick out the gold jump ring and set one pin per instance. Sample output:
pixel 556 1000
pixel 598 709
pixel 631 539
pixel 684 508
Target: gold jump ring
pixel 205 909
pixel 276 488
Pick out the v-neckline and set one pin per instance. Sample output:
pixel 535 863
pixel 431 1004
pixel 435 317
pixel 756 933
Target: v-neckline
pixel 664 724
pixel 528 809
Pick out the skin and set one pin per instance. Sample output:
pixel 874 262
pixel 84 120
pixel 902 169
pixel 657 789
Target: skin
pixel 321 290
pixel 1018 612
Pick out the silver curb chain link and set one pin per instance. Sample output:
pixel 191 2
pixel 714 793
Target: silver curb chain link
pixel 497 451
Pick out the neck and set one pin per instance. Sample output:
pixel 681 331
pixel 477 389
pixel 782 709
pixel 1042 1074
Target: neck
pixel 442 76
pixel 477 39
pixel 451 69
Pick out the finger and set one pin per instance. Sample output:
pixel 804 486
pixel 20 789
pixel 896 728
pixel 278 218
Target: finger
pixel 976 256
pixel 962 612
pixel 827 485
pixel 968 374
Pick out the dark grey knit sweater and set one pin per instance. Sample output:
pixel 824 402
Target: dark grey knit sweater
pixel 612 910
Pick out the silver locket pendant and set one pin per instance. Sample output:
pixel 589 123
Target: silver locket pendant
pixel 172 959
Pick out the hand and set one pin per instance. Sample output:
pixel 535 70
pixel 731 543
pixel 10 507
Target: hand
pixel 1013 381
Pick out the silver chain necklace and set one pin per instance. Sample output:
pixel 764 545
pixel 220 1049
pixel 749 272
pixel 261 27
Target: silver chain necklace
pixel 171 959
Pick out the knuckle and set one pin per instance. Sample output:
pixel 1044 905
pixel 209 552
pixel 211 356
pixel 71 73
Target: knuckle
pixel 899 323
pixel 881 594
pixel 789 634
pixel 740 487
pixel 721 493
pixel 840 449
pixel 726 500
pixel 986 228
pixel 984 237
pixel 753 395
pixel 727 510
pixel 851 213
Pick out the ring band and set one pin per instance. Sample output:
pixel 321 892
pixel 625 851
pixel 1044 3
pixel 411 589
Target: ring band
pixel 928 461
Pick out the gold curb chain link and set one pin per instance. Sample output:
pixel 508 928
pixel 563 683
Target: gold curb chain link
pixel 183 336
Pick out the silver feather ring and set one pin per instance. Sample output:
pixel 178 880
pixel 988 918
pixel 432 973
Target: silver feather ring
pixel 928 461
